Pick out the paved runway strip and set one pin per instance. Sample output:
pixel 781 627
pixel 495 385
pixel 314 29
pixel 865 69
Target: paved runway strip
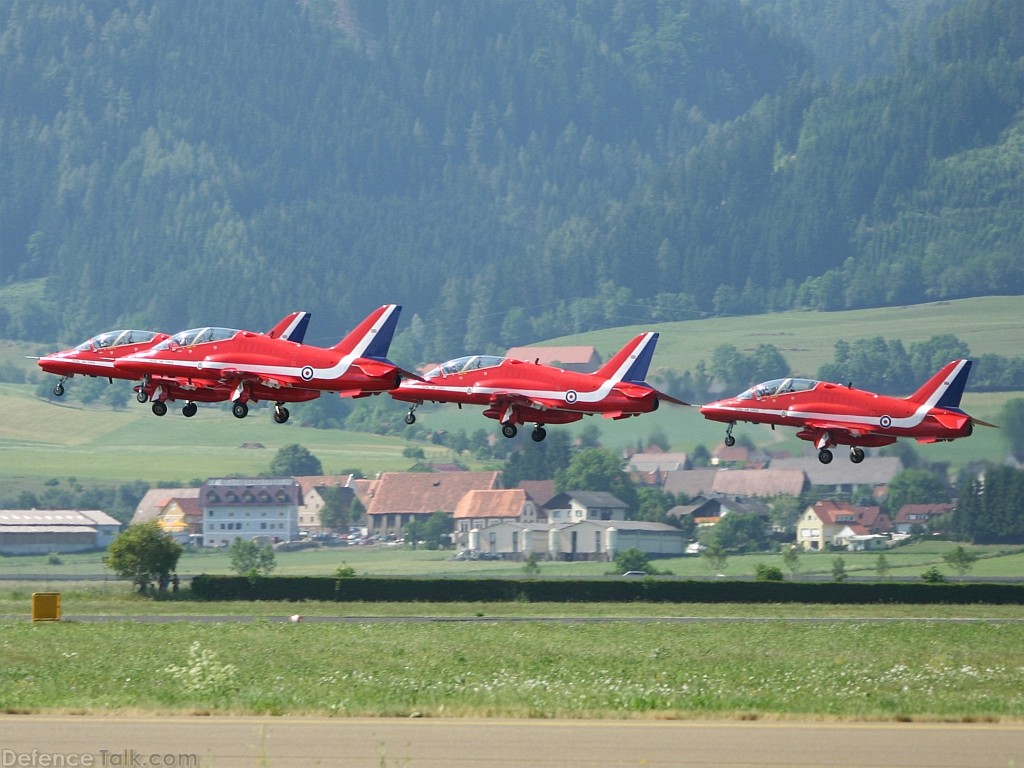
pixel 226 742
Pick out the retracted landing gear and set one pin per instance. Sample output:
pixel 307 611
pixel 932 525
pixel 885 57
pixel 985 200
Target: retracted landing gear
pixel 539 433
pixel 281 413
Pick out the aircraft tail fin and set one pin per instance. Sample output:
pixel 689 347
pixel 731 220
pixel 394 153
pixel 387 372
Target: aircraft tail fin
pixel 291 328
pixel 372 337
pixel 632 362
pixel 945 388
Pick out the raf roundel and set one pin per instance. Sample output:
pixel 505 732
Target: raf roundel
pixel 571 396
pixel 306 373
pixel 885 421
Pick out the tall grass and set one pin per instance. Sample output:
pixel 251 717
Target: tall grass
pixel 900 670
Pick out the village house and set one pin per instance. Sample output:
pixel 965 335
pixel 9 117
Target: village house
pixel 837 524
pixel 398 498
pixel 313 502
pixel 155 500
pixel 262 509
pixel 182 519
pixel 913 518
pixel 483 509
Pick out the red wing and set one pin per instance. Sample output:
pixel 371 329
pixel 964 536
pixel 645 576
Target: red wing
pixel 518 398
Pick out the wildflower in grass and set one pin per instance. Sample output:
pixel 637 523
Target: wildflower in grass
pixel 203 674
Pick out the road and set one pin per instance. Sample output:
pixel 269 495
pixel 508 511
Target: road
pixel 226 742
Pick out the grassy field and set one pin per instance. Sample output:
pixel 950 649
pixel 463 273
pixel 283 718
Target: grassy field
pixel 778 667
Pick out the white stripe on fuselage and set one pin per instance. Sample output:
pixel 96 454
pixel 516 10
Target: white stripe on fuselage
pixel 904 422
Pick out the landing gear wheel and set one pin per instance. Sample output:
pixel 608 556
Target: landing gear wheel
pixel 509 430
pixel 825 456
pixel 281 414
pixel 539 433
pixel 159 408
pixel 730 441
pixel 58 390
pixel 856 454
pixel 189 410
pixel 239 410
pixel 410 418
pixel 141 396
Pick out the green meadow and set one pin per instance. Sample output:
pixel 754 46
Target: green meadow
pixel 823 666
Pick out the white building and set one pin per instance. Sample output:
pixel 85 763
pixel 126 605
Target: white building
pixel 264 509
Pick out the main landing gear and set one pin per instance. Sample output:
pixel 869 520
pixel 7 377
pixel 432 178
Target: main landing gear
pixel 539 433
pixel 509 430
pixel 189 409
pixel 280 413
pixel 159 407
pixel 239 409
pixel 856 455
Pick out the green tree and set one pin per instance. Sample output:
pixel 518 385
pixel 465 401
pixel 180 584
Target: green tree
pixel 143 553
pixel 295 461
pixel 598 469
pixel 433 531
pixel 632 559
pixel 741 532
pixel 916 486
pixel 248 558
pixel 838 569
pixel 341 508
pixel 791 558
pixel 1011 420
pixel 960 560
pixel 716 557
pixel 765 572
pixel 882 566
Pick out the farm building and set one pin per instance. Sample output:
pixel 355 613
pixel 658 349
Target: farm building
pixel 41 531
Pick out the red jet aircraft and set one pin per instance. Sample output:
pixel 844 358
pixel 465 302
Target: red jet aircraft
pixel 516 392
pixel 837 414
pixel 160 389
pixel 254 366
pixel 95 356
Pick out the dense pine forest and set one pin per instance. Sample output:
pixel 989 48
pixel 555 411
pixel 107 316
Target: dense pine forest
pixel 507 170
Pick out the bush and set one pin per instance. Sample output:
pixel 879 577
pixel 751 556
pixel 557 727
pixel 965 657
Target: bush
pixel 768 572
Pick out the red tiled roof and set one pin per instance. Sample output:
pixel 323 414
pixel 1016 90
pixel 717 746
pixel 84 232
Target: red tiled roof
pixel 502 503
pixel 425 492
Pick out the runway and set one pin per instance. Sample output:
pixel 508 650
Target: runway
pixel 44 741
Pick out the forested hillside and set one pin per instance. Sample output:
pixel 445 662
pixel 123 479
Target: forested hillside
pixel 507 170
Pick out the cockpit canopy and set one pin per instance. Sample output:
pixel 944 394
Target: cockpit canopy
pixel 196 336
pixel 115 339
pixel 778 387
pixel 463 365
